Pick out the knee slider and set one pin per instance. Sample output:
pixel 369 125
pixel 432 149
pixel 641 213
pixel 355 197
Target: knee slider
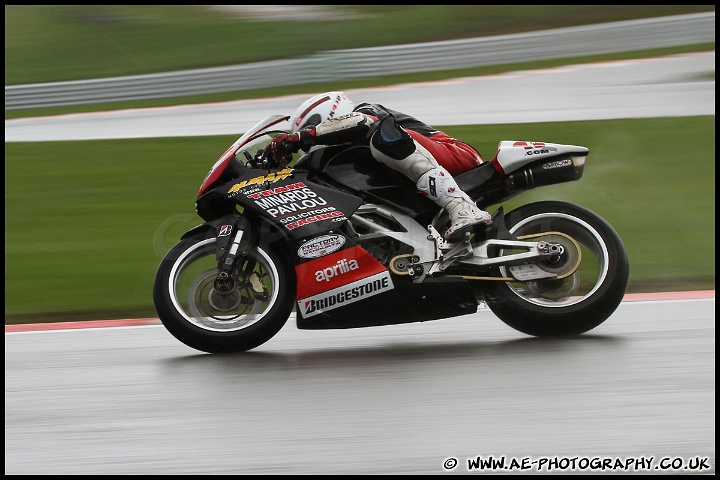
pixel 392 140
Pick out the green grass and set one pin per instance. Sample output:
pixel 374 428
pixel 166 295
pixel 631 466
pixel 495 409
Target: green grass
pixel 50 43
pixel 87 222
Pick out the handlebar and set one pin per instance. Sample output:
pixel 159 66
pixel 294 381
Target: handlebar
pixel 267 161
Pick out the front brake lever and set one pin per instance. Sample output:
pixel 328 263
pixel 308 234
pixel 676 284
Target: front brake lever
pixel 257 161
pixel 261 161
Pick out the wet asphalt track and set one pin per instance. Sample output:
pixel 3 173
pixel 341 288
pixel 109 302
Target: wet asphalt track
pixel 398 399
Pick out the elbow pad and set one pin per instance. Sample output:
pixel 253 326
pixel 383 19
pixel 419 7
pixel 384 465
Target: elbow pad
pixel 347 128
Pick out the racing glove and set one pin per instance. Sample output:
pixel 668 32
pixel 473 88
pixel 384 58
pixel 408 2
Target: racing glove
pixel 285 144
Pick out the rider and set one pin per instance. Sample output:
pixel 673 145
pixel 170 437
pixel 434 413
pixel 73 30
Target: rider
pixel 427 156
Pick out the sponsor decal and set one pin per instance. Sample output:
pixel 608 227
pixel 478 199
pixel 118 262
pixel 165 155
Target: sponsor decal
pixel 346 294
pixel 336 104
pixel 225 231
pixel 309 213
pixel 536 152
pixel 334 270
pixel 269 178
pixel 529 145
pixel 275 191
pixel 335 216
pixel 292 205
pixel 321 246
pixel 557 164
pixel 341 267
pixel 534 148
pixel 285 203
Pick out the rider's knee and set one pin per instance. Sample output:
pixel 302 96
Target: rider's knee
pixel 391 140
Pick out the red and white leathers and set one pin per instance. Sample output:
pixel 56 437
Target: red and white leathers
pixel 452 154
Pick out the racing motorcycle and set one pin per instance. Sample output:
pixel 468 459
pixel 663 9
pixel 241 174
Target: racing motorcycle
pixel 347 242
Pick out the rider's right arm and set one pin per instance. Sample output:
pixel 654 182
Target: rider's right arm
pixel 353 127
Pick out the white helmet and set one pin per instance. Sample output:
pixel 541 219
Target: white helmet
pixel 320 108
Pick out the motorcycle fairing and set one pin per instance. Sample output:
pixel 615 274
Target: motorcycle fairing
pixel 433 299
pixel 336 276
pixel 354 169
pixel 513 154
pixel 339 278
pixel 288 199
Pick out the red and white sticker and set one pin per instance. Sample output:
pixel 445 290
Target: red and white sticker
pixel 339 279
pixel 321 246
pixel 346 294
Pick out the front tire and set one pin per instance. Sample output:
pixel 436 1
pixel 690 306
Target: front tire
pixel 201 317
pixel 579 302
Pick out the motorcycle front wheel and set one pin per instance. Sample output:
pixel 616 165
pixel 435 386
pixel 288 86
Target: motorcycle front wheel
pixel 241 318
pixel 593 270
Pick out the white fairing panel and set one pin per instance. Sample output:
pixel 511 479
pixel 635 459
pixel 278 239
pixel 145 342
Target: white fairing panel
pixel 512 154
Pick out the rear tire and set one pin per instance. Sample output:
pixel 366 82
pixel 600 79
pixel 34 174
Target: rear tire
pixel 579 302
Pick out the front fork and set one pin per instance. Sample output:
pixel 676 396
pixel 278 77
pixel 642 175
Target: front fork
pixel 234 239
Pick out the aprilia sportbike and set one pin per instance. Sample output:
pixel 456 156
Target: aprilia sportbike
pixel 347 242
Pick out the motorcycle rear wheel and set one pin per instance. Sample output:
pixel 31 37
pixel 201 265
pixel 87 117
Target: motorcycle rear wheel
pixel 203 318
pixel 581 300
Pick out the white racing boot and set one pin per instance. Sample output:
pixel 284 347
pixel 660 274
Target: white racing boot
pixel 394 147
pixel 438 185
